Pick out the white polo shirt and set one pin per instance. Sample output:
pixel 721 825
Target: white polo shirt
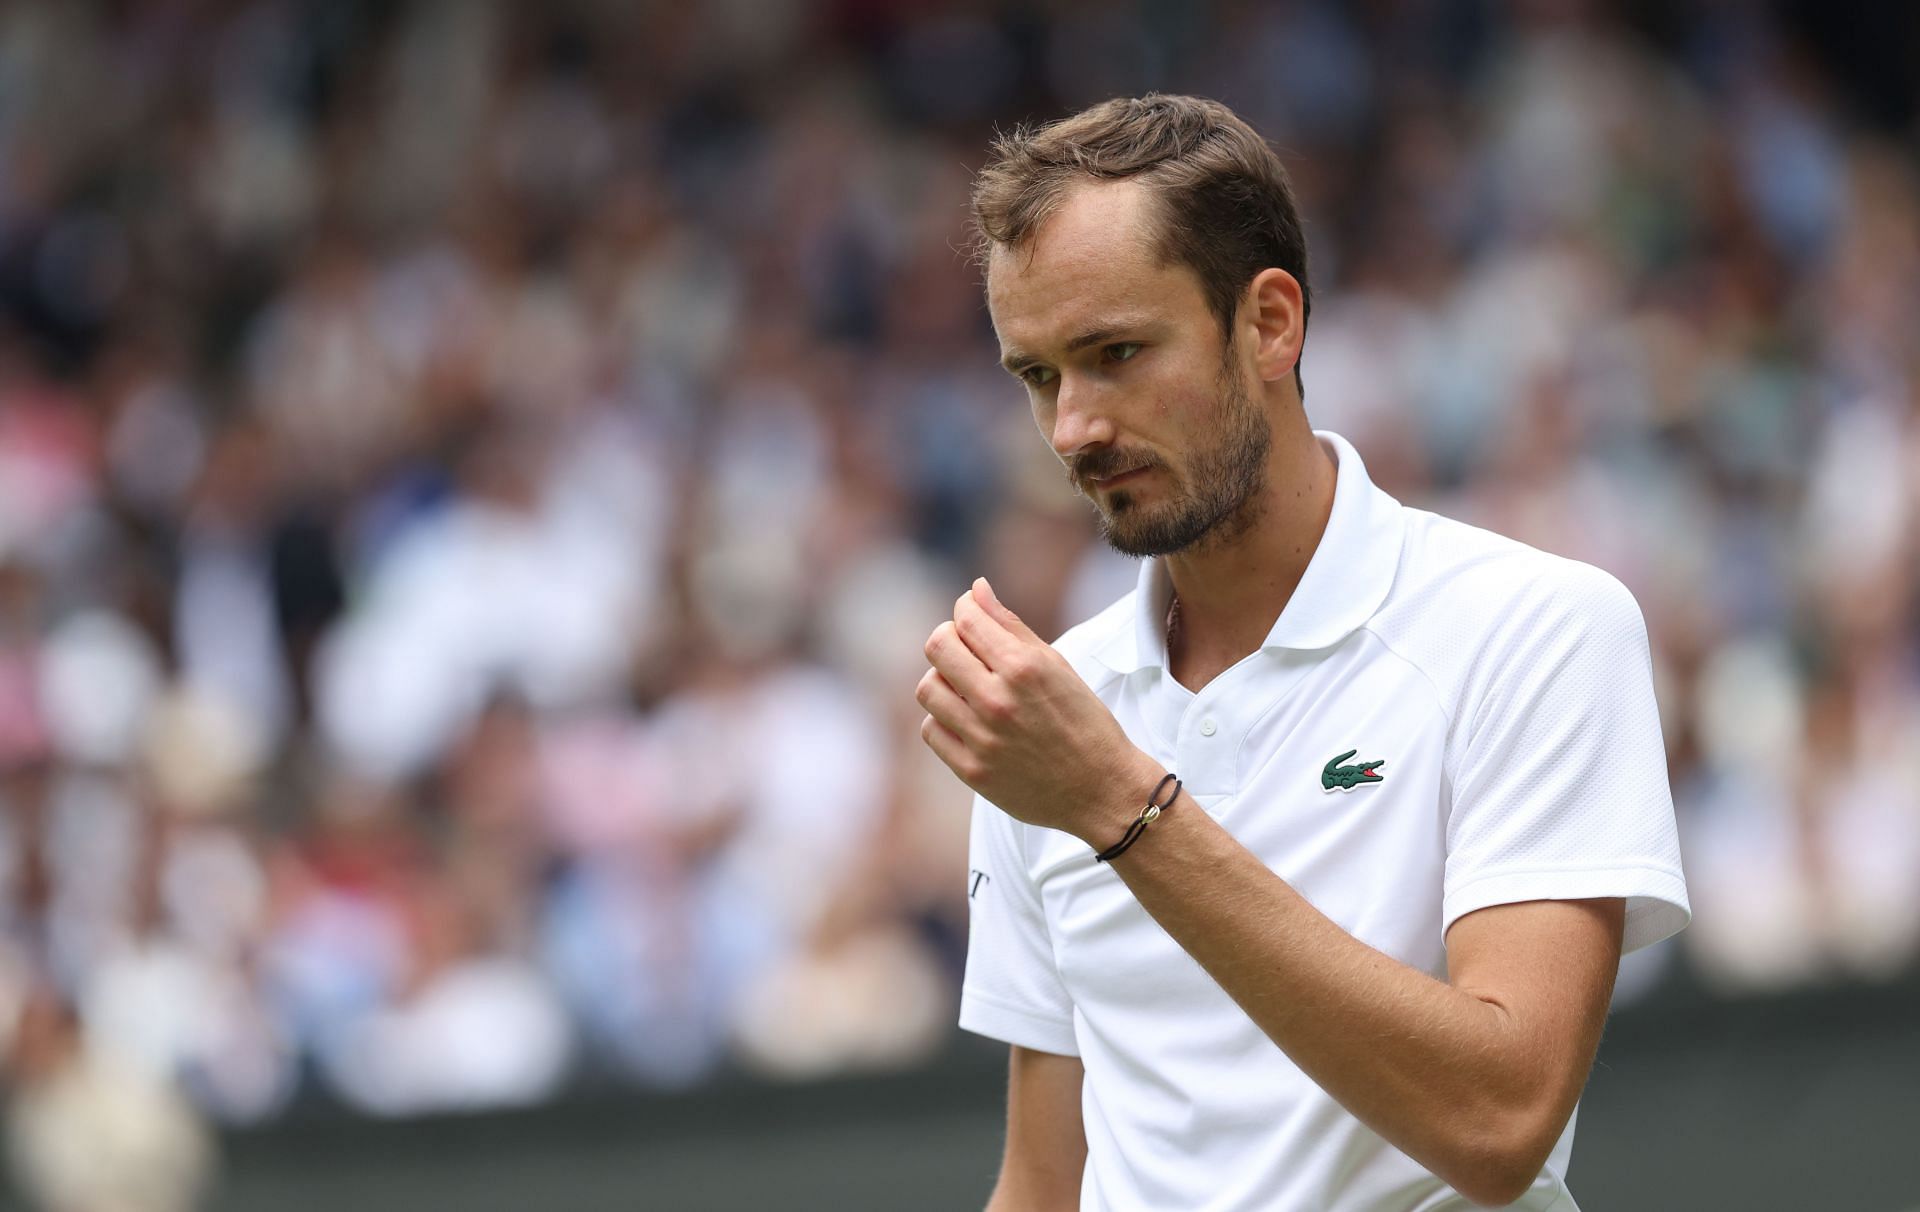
pixel 1491 707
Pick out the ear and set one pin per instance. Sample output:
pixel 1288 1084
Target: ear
pixel 1275 313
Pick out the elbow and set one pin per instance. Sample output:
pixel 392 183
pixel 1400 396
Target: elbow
pixel 1494 1168
pixel 1494 1188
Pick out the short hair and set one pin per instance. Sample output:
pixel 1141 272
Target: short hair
pixel 1227 206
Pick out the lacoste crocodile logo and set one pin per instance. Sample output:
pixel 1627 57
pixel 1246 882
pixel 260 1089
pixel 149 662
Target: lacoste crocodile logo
pixel 1346 778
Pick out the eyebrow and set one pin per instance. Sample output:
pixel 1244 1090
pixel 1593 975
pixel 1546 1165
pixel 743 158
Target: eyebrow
pixel 1015 361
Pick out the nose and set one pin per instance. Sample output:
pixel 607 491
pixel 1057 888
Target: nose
pixel 1080 419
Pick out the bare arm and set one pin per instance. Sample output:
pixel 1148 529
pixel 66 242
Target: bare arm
pixel 1046 1142
pixel 1474 1077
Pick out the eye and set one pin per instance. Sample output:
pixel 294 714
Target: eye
pixel 1038 376
pixel 1121 351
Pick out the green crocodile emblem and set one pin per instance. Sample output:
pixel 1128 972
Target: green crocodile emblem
pixel 1346 778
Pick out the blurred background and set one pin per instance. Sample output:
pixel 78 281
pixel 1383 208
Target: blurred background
pixel 475 479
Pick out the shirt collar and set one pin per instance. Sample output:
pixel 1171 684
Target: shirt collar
pixel 1345 583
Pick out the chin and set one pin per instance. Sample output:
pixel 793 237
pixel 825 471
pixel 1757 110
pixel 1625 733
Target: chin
pixel 1133 531
pixel 1176 526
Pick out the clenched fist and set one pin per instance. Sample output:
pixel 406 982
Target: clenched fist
pixel 1010 716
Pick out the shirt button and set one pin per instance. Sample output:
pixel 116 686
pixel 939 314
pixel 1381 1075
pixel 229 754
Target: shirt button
pixel 1208 728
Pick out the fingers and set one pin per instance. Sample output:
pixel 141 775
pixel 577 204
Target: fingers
pixel 996 647
pixel 986 662
pixel 949 748
pixel 978 651
pixel 945 707
pixel 982 592
pixel 952 729
pixel 954 660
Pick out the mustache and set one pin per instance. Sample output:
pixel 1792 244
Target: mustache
pixel 1105 464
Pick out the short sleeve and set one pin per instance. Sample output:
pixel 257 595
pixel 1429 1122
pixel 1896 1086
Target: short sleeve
pixel 1012 990
pixel 1559 774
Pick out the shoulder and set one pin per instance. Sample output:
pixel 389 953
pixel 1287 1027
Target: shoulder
pixel 1466 599
pixel 1446 561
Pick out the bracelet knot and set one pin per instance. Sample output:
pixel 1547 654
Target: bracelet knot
pixel 1148 815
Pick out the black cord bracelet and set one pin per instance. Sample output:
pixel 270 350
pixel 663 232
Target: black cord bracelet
pixel 1147 816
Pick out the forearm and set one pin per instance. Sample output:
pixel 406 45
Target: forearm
pixel 1046 1141
pixel 1449 1076
pixel 1040 1175
pixel 1007 1198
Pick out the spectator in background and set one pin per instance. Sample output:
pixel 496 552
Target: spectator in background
pixel 444 447
pixel 86 1133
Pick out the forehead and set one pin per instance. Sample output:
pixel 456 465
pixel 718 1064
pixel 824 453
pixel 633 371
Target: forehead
pixel 1092 261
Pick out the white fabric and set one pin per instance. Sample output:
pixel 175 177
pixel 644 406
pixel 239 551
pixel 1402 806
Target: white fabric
pixel 1509 695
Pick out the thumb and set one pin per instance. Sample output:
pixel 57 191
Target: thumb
pixel 983 594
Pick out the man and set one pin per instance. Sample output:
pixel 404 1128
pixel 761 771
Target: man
pixel 1360 960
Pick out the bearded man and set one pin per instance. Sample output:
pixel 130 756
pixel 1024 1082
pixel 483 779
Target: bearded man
pixel 1301 874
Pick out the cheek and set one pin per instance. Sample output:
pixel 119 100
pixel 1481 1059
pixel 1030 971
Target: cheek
pixel 1180 399
pixel 1042 410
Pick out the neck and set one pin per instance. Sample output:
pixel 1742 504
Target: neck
pixel 1231 592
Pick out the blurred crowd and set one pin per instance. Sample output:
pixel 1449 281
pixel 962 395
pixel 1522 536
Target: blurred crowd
pixel 475 479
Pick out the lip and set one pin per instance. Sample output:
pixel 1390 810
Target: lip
pixel 1123 478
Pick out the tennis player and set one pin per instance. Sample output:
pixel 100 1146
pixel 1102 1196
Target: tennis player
pixel 1302 873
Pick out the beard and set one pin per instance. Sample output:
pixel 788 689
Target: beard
pixel 1218 497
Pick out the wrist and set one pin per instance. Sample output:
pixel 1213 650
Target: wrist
pixel 1116 807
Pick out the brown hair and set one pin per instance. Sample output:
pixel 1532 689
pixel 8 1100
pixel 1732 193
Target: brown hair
pixel 1229 209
